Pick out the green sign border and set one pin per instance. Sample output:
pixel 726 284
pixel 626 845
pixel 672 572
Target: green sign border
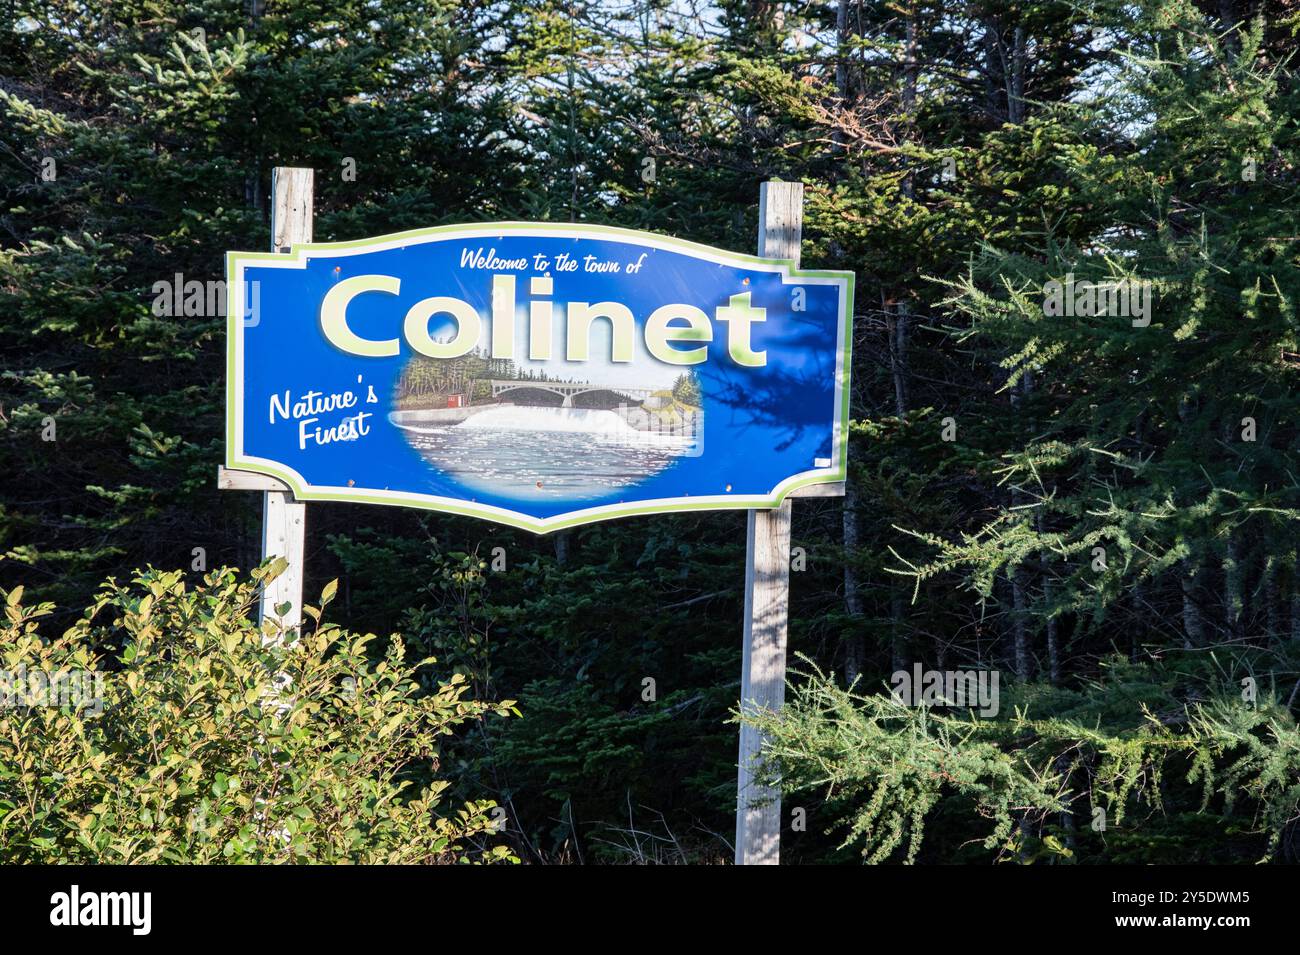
pixel 302 491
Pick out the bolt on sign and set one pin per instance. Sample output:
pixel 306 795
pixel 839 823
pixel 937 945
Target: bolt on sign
pixel 537 375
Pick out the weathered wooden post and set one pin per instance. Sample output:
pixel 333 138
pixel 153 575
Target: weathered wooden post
pixel 767 585
pixel 284 520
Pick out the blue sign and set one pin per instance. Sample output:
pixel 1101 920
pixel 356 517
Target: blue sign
pixel 536 375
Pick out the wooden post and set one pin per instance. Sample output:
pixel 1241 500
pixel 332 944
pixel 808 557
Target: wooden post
pixel 767 586
pixel 284 520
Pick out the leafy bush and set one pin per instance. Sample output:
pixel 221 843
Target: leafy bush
pixel 217 741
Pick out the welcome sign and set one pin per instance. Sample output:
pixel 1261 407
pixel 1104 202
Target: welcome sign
pixel 539 375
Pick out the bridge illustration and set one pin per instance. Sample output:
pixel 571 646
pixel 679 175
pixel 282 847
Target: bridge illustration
pixel 652 411
pixel 501 387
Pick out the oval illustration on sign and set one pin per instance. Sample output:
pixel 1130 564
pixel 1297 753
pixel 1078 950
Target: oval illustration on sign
pixel 502 427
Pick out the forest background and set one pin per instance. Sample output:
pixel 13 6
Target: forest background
pixel 1103 508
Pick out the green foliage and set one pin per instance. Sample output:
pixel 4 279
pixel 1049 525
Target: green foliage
pixel 1040 771
pixel 890 764
pixel 956 157
pixel 574 643
pixel 686 389
pixel 217 741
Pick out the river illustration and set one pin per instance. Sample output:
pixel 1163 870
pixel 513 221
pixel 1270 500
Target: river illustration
pixel 527 438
